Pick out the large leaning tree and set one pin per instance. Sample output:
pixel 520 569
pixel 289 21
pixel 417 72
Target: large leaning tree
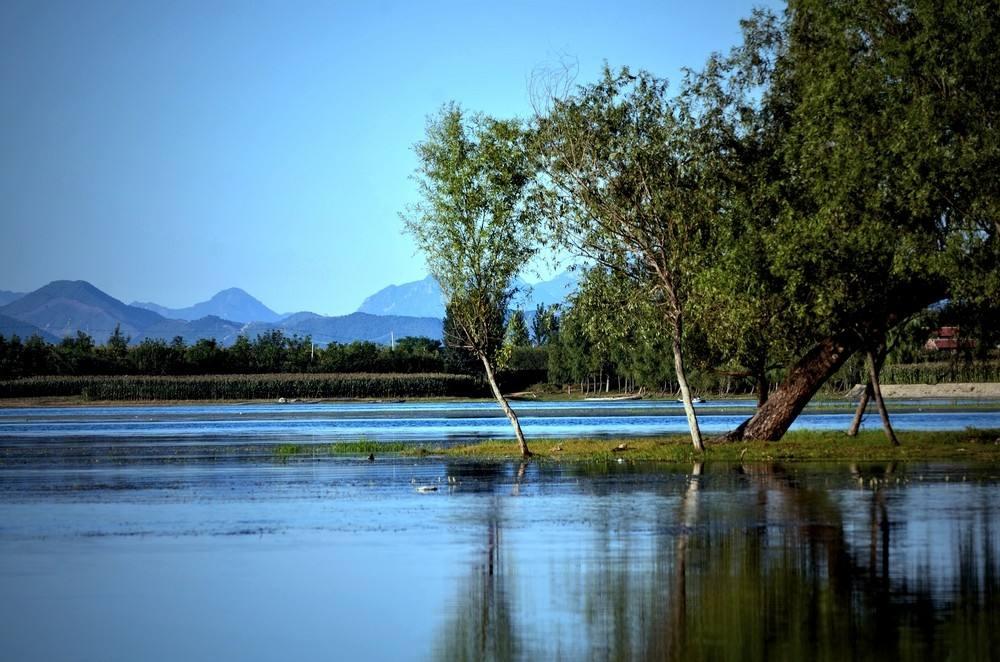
pixel 883 173
pixel 627 192
pixel 476 226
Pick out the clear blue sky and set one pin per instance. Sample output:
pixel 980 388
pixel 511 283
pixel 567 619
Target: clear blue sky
pixel 166 150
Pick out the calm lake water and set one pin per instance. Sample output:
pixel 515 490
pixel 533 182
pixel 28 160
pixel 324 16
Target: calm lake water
pixel 127 554
pixel 440 422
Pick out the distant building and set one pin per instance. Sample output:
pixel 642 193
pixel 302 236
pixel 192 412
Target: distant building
pixel 948 339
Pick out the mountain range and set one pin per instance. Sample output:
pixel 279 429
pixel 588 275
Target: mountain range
pixel 423 298
pixel 62 308
pixel 232 304
pixel 6 296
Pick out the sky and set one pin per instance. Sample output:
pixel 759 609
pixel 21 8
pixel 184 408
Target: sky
pixel 165 151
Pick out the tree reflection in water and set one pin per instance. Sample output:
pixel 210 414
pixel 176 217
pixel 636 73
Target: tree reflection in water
pixel 752 562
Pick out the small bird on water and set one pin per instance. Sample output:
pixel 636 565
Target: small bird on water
pixel 371 457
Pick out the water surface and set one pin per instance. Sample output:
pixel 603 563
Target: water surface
pixel 440 422
pixel 345 559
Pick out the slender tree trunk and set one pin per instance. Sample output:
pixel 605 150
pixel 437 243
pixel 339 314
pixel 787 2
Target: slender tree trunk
pixel 774 418
pixel 692 418
pixel 860 411
pixel 763 388
pixel 867 396
pixel 873 369
pixel 511 416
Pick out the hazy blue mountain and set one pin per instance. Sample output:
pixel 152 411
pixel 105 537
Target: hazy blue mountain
pixel 297 318
pixel 64 307
pixel 422 298
pixel 208 327
pixel 6 296
pixel 13 327
pixel 549 292
pixel 348 328
pixel 232 304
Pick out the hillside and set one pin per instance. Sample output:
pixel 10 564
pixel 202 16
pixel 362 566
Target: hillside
pixel 423 298
pixel 232 304
pixel 64 307
pixel 10 327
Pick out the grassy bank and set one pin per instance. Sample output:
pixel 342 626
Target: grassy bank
pixel 971 445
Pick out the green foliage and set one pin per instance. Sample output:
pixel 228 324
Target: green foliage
pixel 545 324
pixel 517 330
pixel 476 223
pixel 272 352
pixel 625 186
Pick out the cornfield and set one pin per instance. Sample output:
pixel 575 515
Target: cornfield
pixel 941 372
pixel 245 387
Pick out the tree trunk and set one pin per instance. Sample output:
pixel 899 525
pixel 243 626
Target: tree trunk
pixel 692 418
pixel 491 378
pixel 860 411
pixel 866 397
pixel 774 418
pixel 873 369
pixel 763 388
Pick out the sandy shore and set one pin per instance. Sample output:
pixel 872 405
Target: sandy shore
pixel 908 391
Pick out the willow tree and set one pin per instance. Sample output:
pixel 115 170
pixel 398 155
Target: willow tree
pixel 886 183
pixel 476 226
pixel 625 178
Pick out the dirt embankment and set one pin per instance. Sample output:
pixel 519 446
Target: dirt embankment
pixel 989 390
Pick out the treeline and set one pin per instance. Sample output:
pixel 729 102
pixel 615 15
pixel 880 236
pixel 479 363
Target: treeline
pixel 272 352
pixel 592 349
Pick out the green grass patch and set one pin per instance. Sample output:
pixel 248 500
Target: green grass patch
pixel 973 445
pixel 366 446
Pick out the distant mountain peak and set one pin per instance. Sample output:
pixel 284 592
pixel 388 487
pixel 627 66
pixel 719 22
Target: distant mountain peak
pixel 423 298
pixel 230 304
pixel 419 298
pixel 64 307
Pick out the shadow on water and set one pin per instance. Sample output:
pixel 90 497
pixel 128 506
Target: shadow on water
pixel 751 562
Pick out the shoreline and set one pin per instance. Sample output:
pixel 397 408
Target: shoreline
pixel 797 446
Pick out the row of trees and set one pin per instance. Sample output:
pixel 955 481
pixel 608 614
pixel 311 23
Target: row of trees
pixel 596 349
pixel 268 353
pixel 794 202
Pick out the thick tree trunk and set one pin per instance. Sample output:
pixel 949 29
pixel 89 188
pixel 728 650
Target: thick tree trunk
pixel 873 369
pixel 491 378
pixel 692 418
pixel 811 371
pixel 774 418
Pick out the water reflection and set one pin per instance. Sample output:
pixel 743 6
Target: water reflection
pixel 752 562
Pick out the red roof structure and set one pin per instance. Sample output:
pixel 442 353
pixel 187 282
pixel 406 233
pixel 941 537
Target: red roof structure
pixel 948 339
